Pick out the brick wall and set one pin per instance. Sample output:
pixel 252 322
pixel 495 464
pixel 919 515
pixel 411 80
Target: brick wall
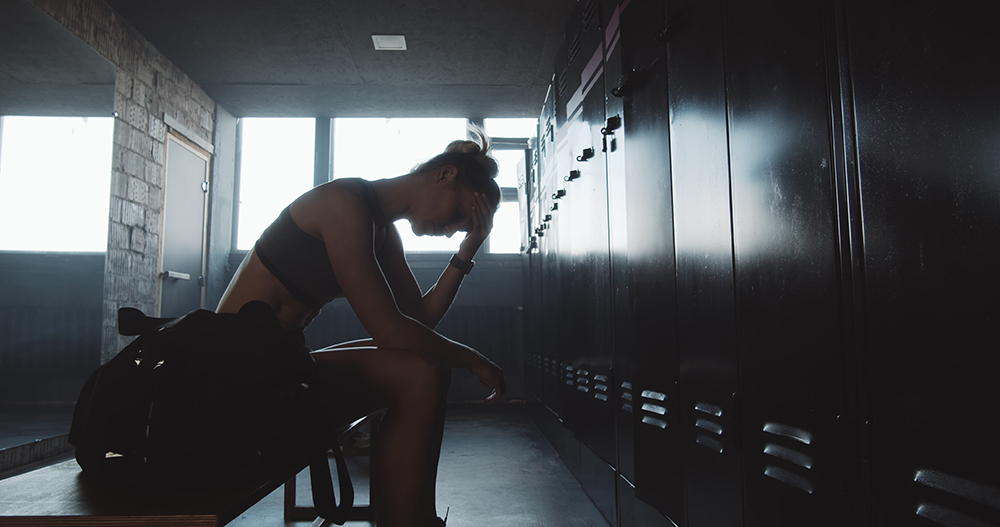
pixel 147 86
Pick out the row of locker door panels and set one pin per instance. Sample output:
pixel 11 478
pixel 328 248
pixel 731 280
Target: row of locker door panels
pixel 760 262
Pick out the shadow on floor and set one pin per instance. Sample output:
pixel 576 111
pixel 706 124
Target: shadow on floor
pixel 496 470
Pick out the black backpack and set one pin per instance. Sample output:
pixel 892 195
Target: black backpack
pixel 207 401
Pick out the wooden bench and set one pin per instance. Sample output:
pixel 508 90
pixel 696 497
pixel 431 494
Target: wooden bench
pixel 59 495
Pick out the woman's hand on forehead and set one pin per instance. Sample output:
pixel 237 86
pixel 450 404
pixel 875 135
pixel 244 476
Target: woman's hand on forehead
pixel 481 225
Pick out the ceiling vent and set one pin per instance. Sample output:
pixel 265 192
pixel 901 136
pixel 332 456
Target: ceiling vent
pixel 389 42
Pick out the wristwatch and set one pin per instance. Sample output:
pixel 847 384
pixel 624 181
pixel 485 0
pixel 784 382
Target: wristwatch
pixel 465 267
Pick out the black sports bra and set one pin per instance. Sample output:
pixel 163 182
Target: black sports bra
pixel 299 261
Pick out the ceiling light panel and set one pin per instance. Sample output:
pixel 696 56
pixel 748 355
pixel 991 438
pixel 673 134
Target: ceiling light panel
pixel 389 42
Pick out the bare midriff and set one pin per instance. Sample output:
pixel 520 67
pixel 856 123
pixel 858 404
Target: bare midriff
pixel 254 282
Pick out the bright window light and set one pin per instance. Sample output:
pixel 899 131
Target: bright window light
pixel 55 183
pixel 506 234
pixel 382 148
pixel 511 127
pixel 276 167
pixel 508 161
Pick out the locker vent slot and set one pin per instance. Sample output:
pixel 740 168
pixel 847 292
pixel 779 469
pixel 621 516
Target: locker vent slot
pixel 626 385
pixel 656 396
pixel 627 396
pixel 563 81
pixel 709 409
pixel 582 372
pixel 790 432
pixel 792 456
pixel 789 478
pixel 581 380
pixel 659 423
pixel 947 517
pixel 709 426
pixel 601 387
pixel 568 368
pixel 569 382
pixel 583 389
pixel 588 13
pixel 601 396
pixel 652 408
pixel 574 48
pixel 627 407
pixel 569 375
pixel 963 488
pixel 710 443
pixel 601 378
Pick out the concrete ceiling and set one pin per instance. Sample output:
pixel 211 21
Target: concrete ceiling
pixel 464 58
pixel 46 70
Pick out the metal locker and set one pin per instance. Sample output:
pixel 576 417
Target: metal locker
pixel 790 336
pixel 641 84
pixel 925 79
pixel 706 323
pixel 582 327
pixel 613 145
pixel 536 357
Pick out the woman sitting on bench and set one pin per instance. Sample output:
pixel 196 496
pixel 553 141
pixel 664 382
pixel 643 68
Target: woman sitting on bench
pixel 339 239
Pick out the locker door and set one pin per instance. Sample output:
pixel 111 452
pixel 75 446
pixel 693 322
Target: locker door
pixel 650 263
pixel 789 325
pixel 543 288
pixel 706 325
pixel 925 88
pixel 586 323
pixel 613 143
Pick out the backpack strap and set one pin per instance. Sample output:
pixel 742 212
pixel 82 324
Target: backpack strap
pixel 322 486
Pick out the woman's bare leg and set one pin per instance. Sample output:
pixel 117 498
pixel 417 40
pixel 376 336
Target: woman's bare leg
pixel 429 500
pixel 413 389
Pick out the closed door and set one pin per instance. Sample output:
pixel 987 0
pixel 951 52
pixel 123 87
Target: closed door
pixel 183 261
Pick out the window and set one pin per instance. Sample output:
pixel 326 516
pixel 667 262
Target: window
pixel 55 180
pixel 276 166
pixel 379 148
pixel 506 235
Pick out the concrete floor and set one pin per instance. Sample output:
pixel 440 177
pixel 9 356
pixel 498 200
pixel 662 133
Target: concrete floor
pixel 496 470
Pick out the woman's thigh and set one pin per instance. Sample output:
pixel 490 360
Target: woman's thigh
pixel 360 380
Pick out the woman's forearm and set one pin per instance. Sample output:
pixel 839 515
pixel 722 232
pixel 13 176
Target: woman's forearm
pixel 440 296
pixel 410 334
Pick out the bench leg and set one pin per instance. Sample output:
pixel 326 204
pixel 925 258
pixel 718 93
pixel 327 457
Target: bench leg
pixel 366 513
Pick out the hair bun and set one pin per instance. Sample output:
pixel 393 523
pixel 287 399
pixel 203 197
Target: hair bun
pixel 463 147
pixel 470 147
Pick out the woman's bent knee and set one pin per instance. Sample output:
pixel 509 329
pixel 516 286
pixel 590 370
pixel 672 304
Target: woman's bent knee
pixel 425 377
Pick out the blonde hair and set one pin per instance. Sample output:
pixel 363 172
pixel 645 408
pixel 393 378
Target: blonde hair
pixel 476 167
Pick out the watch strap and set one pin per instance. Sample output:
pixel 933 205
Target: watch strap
pixel 462 265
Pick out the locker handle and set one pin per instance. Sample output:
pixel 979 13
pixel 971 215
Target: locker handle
pixel 628 82
pixel 176 275
pixel 573 174
pixel 614 122
pixel 559 193
pixel 586 155
pixel 555 206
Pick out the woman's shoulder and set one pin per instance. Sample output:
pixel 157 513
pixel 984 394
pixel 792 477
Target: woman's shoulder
pixel 345 191
pixel 336 201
